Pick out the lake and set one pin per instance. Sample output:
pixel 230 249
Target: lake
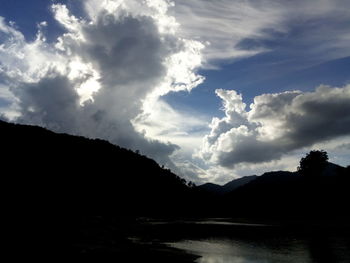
pixel 225 241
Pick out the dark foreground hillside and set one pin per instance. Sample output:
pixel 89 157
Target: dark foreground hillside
pixel 48 179
pixel 59 172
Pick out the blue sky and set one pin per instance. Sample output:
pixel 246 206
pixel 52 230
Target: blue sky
pixel 175 79
pixel 27 14
pixel 260 74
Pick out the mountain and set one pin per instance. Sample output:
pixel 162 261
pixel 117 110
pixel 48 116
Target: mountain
pixel 234 184
pixel 211 188
pixel 228 187
pixel 332 169
pixel 45 170
pixel 290 194
pixel 50 180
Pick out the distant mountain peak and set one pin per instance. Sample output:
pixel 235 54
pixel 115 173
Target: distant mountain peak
pixel 228 187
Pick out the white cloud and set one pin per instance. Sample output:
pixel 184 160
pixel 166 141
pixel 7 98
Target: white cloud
pixel 166 124
pixel 276 125
pixel 63 16
pixel 104 72
pixel 222 175
pixel 22 61
pixel 223 24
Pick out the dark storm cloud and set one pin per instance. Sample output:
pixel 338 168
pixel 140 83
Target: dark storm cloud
pixel 52 103
pixel 124 50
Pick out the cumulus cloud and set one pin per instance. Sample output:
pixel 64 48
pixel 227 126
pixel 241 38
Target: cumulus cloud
pixel 102 73
pixel 276 124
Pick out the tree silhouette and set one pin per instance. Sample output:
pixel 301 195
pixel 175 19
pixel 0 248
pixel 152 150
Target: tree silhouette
pixel 191 184
pixel 313 163
pixel 91 173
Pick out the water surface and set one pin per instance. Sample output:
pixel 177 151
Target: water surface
pixel 224 241
pixel 229 250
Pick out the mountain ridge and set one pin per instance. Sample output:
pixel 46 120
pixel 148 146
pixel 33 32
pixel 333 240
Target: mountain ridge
pixel 46 171
pixel 63 171
pixel 227 187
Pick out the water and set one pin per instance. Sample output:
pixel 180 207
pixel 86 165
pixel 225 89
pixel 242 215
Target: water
pixel 230 250
pixel 229 242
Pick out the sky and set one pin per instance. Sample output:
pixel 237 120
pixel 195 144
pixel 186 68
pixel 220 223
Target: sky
pixel 213 90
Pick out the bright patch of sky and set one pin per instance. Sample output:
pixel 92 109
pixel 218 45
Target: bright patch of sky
pixel 213 89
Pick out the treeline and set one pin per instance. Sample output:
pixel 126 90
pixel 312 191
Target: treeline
pixel 60 172
pixel 46 171
pixel 317 190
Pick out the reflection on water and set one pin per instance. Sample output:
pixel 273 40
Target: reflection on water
pixel 212 221
pixel 266 251
pixel 226 241
pixel 223 251
pixel 227 223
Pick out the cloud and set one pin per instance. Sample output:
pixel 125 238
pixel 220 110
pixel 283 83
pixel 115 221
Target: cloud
pixel 193 172
pixel 223 24
pixel 275 125
pixel 222 175
pixel 178 126
pixel 236 29
pixel 345 146
pixel 99 75
pixel 106 76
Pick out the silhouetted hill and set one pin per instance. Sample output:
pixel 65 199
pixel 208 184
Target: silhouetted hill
pixel 228 187
pixel 46 170
pixel 49 178
pixel 234 184
pixel 332 169
pixel 290 194
pixel 210 188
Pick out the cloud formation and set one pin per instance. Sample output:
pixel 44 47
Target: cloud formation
pixel 236 29
pixel 101 73
pixel 106 75
pixel 275 125
pixel 222 24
